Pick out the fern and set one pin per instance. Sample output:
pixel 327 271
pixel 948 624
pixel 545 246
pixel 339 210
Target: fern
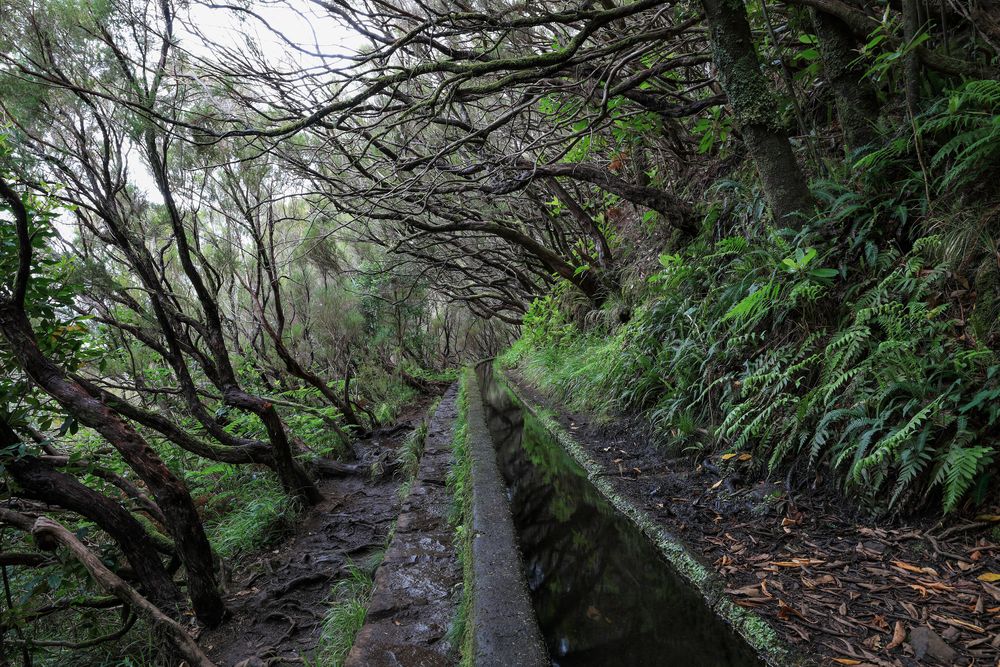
pixel 971 115
pixel 959 469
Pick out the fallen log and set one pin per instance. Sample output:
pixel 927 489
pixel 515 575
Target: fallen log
pixel 49 535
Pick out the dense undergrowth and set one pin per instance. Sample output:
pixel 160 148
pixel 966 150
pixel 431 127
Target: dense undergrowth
pixel 863 344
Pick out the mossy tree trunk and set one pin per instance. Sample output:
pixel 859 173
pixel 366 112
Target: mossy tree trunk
pixel 756 110
pixel 857 104
pixel 911 62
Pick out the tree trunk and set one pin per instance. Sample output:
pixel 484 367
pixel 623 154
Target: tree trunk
pixel 40 481
pixel 49 534
pixel 857 105
pixel 292 475
pixel 756 111
pixel 169 492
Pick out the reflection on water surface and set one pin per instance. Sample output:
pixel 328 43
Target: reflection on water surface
pixel 603 594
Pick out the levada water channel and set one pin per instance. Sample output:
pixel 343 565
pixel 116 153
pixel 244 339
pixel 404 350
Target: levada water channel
pixel 602 592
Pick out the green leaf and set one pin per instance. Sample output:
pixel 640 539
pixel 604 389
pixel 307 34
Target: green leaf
pixel 824 273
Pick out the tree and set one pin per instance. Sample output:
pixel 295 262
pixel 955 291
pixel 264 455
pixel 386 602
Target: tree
pixel 752 100
pixel 169 492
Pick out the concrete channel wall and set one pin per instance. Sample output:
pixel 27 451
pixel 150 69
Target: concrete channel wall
pixel 751 627
pixel 505 630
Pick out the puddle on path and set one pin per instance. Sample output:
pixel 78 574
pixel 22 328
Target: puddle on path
pixel 603 594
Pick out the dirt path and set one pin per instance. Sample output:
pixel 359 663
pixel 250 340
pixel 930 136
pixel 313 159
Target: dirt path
pixel 843 588
pixel 417 587
pixel 278 599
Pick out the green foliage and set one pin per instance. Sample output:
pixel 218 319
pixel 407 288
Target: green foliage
pixel 346 616
pixel 459 483
pixel 409 453
pixel 880 56
pixel 713 130
pixel 968 121
pixel 759 344
pixel 245 510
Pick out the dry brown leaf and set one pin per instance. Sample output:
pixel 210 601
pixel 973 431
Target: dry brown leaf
pixel 994 591
pixel 752 602
pixel 958 623
pixel 786 611
pixel 914 568
pixel 797 562
pixel 818 581
pixel 746 590
pixel 898 636
pixel 937 585
pixel 846 661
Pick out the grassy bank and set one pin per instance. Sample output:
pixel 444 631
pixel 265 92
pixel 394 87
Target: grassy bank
pixel 459 482
pixel 828 349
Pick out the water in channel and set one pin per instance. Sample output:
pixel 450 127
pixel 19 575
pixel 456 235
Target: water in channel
pixel 603 594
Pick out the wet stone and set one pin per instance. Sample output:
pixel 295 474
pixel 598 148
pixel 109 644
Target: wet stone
pixel 412 606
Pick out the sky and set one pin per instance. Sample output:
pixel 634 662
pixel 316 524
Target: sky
pixel 301 21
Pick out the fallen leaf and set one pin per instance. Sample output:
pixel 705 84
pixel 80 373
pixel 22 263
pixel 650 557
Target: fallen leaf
pixel 797 562
pixel 786 611
pixel 818 581
pixel 898 636
pixel 726 457
pixel 959 623
pixel 989 577
pixel 846 661
pixel 994 591
pixel 988 517
pixel 745 457
pixel 914 568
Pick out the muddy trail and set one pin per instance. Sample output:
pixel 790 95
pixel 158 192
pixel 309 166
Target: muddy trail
pixel 279 597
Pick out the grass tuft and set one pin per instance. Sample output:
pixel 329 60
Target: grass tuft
pixel 346 615
pixel 460 517
pixel 246 511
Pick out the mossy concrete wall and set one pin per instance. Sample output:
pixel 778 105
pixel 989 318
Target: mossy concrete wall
pixel 505 630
